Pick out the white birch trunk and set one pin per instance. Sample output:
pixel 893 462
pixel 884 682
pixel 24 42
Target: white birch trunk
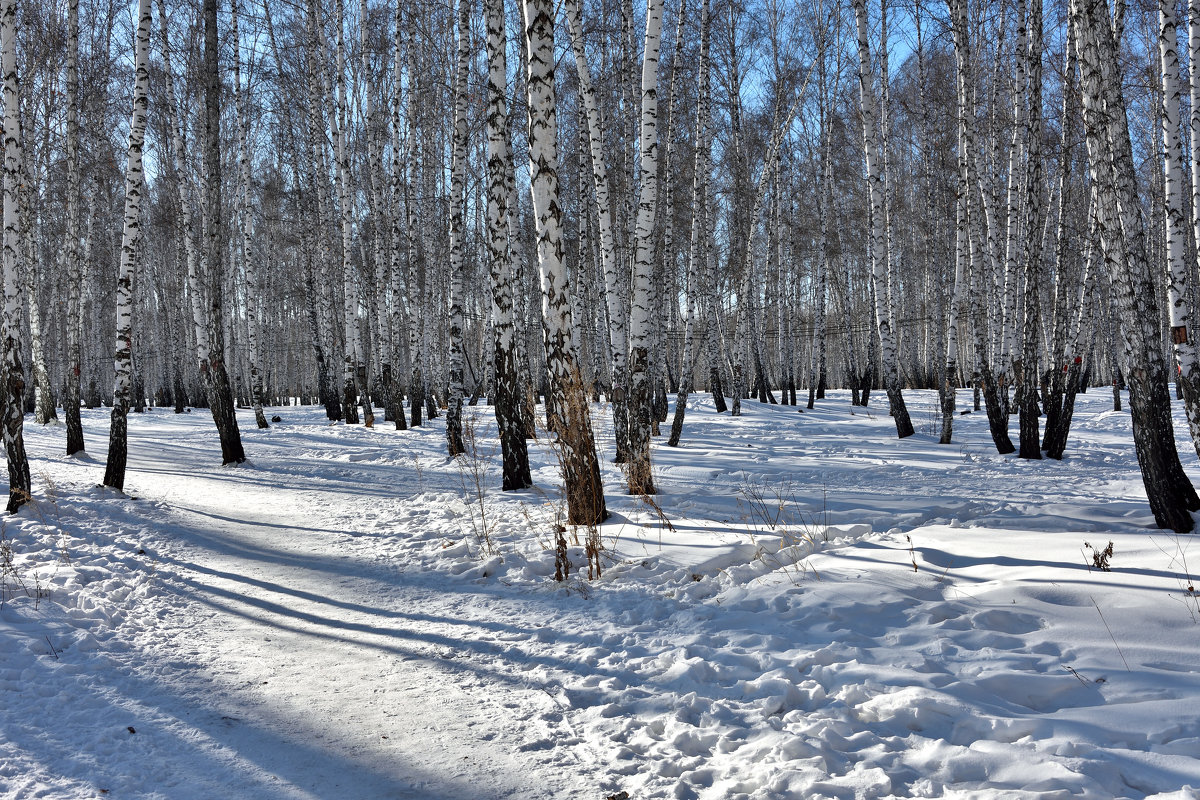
pixel 458 158
pixel 1178 272
pixel 667 281
pixel 320 257
pixel 698 249
pixel 979 226
pixel 878 240
pixel 501 266
pixel 220 393
pixel 43 394
pixel 1193 10
pixel 376 279
pixel 1070 291
pixel 641 317
pixel 1016 194
pixel 826 253
pixel 114 472
pixel 614 294
pixel 245 226
pixel 962 237
pixel 581 470
pixel 1032 251
pixel 14 374
pixel 891 288
pixel 400 316
pixel 1122 236
pixel 352 367
pixel 74 326
pixel 196 290
pixel 523 304
pixel 416 349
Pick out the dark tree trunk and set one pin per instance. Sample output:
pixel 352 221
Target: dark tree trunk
pixel 714 383
pixel 416 399
pixel 178 392
pixel 1058 423
pixel 118 450
pixel 220 392
pixel 997 419
pixel 1122 234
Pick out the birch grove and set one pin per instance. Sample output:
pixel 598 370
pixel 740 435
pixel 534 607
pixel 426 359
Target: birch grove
pixel 848 202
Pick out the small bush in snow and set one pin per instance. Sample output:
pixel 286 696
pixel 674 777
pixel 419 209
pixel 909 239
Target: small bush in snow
pixel 1100 557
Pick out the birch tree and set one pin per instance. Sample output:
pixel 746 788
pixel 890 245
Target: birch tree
pixel 878 242
pixel 1059 400
pixel 1193 12
pixel 73 325
pixel 698 249
pixel 1110 160
pixel 458 158
pixel 577 450
pixel 44 410
pixel 377 280
pixel 118 439
pixel 400 308
pixel 618 314
pixel 1017 195
pixel 1032 253
pixel 354 370
pixel 416 351
pixel 501 268
pixel 825 246
pixel 641 332
pixel 245 225
pixel 1178 273
pixel 975 216
pixel 210 331
pixel 962 232
pixel 14 374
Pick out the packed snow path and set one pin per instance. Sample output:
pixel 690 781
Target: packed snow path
pixel 366 680
pixel 278 659
pixel 823 612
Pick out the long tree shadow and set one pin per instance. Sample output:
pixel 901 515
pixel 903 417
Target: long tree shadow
pixel 111 724
pixel 941 559
pixel 328 620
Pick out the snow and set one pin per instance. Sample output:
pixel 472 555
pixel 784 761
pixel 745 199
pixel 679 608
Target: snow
pixel 809 608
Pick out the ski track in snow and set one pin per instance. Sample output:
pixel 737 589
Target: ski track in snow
pixel 820 610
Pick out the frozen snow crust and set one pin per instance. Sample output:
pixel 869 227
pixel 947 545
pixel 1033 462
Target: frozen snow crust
pixel 814 610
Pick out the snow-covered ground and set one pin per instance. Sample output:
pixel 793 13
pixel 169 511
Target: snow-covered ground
pixel 810 608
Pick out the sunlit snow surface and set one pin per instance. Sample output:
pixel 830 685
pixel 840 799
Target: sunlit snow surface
pixel 323 622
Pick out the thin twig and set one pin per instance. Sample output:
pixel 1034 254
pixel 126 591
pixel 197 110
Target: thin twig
pixel 1110 633
pixel 1082 679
